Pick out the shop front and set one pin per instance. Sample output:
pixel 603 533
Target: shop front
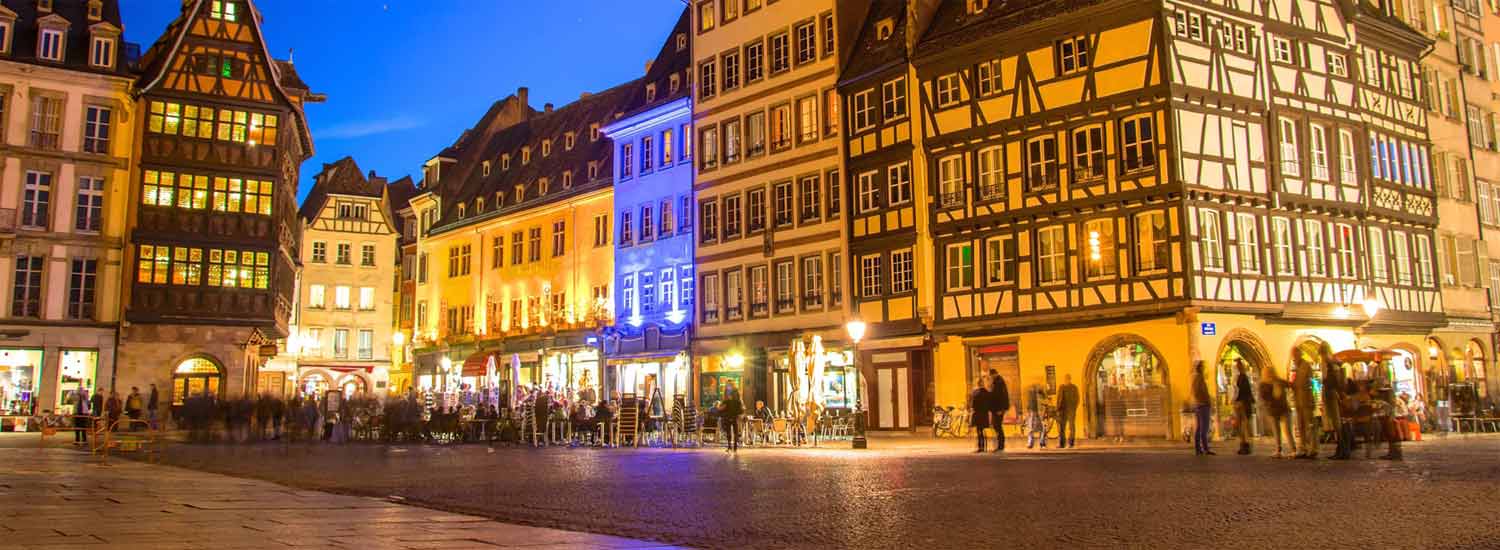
pixel 572 372
pixel 1127 390
pixel 810 373
pixel 20 383
pixel 197 375
pixel 662 379
pixel 31 383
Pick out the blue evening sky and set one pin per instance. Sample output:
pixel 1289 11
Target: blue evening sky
pixel 405 77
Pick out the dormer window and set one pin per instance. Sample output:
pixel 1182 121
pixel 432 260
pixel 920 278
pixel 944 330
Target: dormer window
pixel 44 6
pixel 225 10
pixel 593 170
pixel 674 82
pixel 505 161
pixel 977 6
pixel 546 148
pixel 520 193
pixel 460 211
pixel 478 205
pixel 885 28
pixel 541 187
pixel 568 179
pixel 594 132
pixel 568 140
pixel 499 199
pixel 651 92
pixel 102 54
pixel 96 10
pixel 49 45
pixel 486 168
pixel 526 155
pixel 682 41
pixel 6 24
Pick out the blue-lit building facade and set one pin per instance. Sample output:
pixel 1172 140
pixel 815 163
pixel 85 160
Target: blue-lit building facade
pixel 647 348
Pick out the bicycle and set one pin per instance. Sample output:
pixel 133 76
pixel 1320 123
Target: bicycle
pixel 948 421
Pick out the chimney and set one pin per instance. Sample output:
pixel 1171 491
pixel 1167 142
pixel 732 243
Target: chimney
pixel 547 108
pixel 521 95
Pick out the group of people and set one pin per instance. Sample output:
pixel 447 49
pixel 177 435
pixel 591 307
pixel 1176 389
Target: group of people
pixel 90 405
pixel 1351 408
pixel 990 401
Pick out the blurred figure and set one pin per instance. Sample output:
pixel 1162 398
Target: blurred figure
pixel 979 404
pixel 1203 404
pixel 1067 413
pixel 1273 400
pixel 999 404
pixel 1306 410
pixel 1244 405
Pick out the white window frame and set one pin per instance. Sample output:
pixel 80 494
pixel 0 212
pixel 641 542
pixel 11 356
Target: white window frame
pixel 1211 239
pixel 1052 255
pixel 893 99
pixel 1247 233
pixel 991 172
pixel 951 181
pixel 898 184
pixel 1291 164
pixel 1318 140
pixel 1348 254
pixel 949 90
pixel 1281 246
pixel 869 276
pixel 1348 165
pixel 50 44
pixel 1315 248
pixel 997 263
pixel 1380 268
pixel 959 272
pixel 903 268
pixel 1425 276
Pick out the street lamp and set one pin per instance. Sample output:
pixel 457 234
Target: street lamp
pixel 1372 307
pixel 856 329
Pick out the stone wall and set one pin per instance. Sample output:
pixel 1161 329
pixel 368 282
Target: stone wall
pixel 150 353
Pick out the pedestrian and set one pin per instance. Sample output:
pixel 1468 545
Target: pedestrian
pixel 81 416
pixel 112 409
pixel 1244 405
pixel 135 405
pixel 1036 430
pixel 262 415
pixel 1306 411
pixel 1067 413
pixel 1203 406
pixel 1333 403
pixel 153 407
pixel 999 404
pixel 1272 393
pixel 979 404
pixel 730 413
pixel 1385 394
pixel 278 411
pixel 96 408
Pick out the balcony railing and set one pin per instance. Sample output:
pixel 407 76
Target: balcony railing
pixel 812 301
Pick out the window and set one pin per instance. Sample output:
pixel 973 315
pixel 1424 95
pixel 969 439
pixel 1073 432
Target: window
pixel 951 181
pixel 864 110
pixel 82 279
pixel 1210 237
pixel 96 130
pixel 88 214
pixel 755 134
pixel 367 298
pixel 366 344
pixel 422 268
pixel 341 297
pixel 36 200
pixel 367 255
pixel 781 53
pixel 666 147
pixel 1103 259
pixel 1138 143
pixel 497 251
pixel 686 135
pixel 1281 245
pixel 990 78
pixel 1317 259
pixel 807 119
pixel 648 224
pixel 828 34
pixel 239 269
pixel 517 248
pixel 730 61
pixel 812 199
pixel 601 230
pixel 812 282
pixel 835 278
pixel 224 10
pixel 1319 145
pixel 559 238
pixel 1379 263
pixel 1281 50
pixel 709 216
pixel 1424 262
pixel 1000 260
pixel 831 108
pixel 783 204
pixel 46 122
pixel 755 61
pixel 893 99
pixel 807 43
pixel 709 148
pixel 317 296
pixel 1248 234
pixel 526 155
pixel 708 79
pixel 103 52
pixel 949 92
pixel 1152 253
pixel 869 276
pixel 1401 253
pixel 1072 54
pixel 835 193
pixel 1288 135
pixel 341 343
pixel 902 270
pixel 733 216
pixel 1348 266
pixel 730 10
pixel 898 180
pixel 1088 152
pixel 252 197
pixel 731 141
pixel 710 299
pixel 1348 174
pixel 756 202
pixel 781 127
pixel 534 244
pixel 26 298
pixel 1052 255
pixel 760 297
pixel 866 192
pixel 668 295
pixel 786 287
pixel 627 159
pixel 49 46
pixel 343 252
pixel 1041 163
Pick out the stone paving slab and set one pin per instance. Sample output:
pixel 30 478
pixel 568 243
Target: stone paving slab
pixel 60 498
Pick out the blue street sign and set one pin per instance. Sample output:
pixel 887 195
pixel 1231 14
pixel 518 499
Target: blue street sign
pixel 1210 329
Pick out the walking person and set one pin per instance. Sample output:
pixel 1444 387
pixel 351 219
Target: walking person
pixel 1036 430
pixel 153 407
pixel 730 410
pixel 1203 406
pixel 112 409
pixel 1333 402
pixel 998 405
pixel 96 408
pixel 1306 410
pixel 1273 400
pixel 1244 405
pixel 1067 413
pixel 979 403
pixel 262 415
pixel 81 416
pixel 278 411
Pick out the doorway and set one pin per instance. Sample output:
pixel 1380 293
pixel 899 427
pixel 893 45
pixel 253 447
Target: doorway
pixel 1127 394
pixel 892 396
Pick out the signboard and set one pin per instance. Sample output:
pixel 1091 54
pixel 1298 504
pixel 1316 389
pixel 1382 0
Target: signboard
pixel 1210 329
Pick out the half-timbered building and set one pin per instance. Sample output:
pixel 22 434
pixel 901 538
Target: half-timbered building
pixel 1121 189
pixel 213 240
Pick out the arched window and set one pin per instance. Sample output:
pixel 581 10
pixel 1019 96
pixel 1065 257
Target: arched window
pixel 196 376
pixel 1474 371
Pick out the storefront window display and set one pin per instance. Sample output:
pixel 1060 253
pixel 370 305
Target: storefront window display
pixel 810 372
pixel 1475 373
pixel 662 380
pixel 718 373
pixel 196 375
pixel 574 374
pixel 314 384
pixel 19 380
pixel 1130 398
pixel 77 369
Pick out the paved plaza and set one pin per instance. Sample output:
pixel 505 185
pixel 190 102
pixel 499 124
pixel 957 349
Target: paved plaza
pixel 60 498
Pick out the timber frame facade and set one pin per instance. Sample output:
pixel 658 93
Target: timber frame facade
pixel 1111 184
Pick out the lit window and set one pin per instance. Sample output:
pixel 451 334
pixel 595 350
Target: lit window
pixel 960 266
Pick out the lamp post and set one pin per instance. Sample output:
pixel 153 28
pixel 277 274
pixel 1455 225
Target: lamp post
pixel 856 329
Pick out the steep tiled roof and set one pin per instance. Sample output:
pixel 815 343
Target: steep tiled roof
pixel 953 26
pixel 343 177
pixel 669 61
pixel 490 144
pixel 398 198
pixel 76 51
pixel 871 51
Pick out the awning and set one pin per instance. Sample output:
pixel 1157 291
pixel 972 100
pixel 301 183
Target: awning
pixel 476 364
pixel 658 355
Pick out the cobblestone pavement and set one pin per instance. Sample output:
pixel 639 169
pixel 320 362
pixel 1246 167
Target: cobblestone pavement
pixel 55 498
pixel 909 494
